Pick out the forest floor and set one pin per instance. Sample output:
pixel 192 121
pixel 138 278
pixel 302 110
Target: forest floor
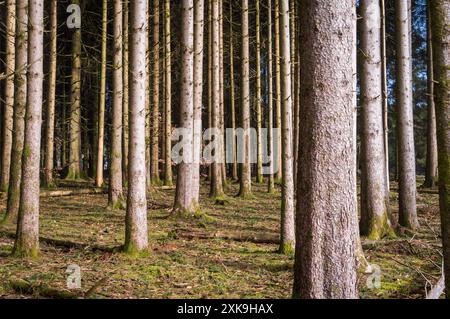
pixel 227 251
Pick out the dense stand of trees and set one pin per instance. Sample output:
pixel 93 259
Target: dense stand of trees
pixel 109 94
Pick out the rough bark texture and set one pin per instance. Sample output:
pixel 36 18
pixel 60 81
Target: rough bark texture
pixel 259 175
pixel 115 198
pixel 405 121
pixel 325 265
pixel 278 150
pixel 27 236
pixel 245 180
pixel 270 180
pixel 234 166
pixel 101 107
pixel 216 190
pixel 374 198
pixel 385 94
pixel 51 100
pixel 75 106
pixel 20 102
pixel 126 105
pixel 136 235
pixel 8 103
pixel 440 25
pixel 287 197
pixel 184 199
pixel 431 173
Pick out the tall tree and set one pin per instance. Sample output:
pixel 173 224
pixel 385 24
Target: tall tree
pixel 259 175
pixel 75 106
pixel 440 29
pixel 125 68
pixel 287 198
pixel 27 235
pixel 20 102
pixel 216 186
pixel 167 97
pixel 154 162
pixel 136 235
pixel 184 200
pixel 234 166
pixel 384 83
pixel 325 264
pixel 375 221
pixel 405 121
pixel 431 172
pixel 271 181
pixel 51 98
pixel 101 108
pixel 8 103
pixel 115 198
pixel 245 179
pixel 277 123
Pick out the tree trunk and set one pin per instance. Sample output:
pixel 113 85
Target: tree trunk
pixel 405 121
pixel 287 244
pixel 126 106
pixel 50 120
pixel 136 235
pixel 259 174
pixel 115 198
pixel 168 98
pixel 20 104
pixel 8 103
pixel 101 108
pixel 27 235
pixel 75 107
pixel 245 180
pixel 271 181
pixel 216 190
pixel 198 96
pixel 325 265
pixel 278 149
pixel 234 165
pixel 384 84
pixel 375 222
pixel 154 162
pixel 440 22
pixel 431 173
pixel 221 84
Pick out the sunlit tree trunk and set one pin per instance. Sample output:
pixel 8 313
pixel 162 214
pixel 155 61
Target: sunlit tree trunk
pixel 221 84
pixel 325 265
pixel 440 29
pixel 234 166
pixel 259 175
pixel 287 244
pixel 8 103
pixel 20 102
pixel 271 182
pixel 278 150
pixel 405 120
pixel 115 198
pixel 245 171
pixel 27 235
pixel 136 235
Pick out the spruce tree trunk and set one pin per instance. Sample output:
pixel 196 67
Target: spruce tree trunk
pixel 259 175
pixel 136 235
pixel 278 150
pixel 221 84
pixel 51 99
pixel 198 96
pixel 216 189
pixel 375 222
pixel 184 200
pixel 125 68
pixel 75 106
pixel 115 198
pixel 325 265
pixel 405 120
pixel 20 103
pixel 245 171
pixel 287 197
pixel 234 165
pixel 431 173
pixel 27 235
pixel 168 98
pixel 154 136
pixel 385 95
pixel 8 103
pixel 101 108
pixel 271 180
pixel 440 29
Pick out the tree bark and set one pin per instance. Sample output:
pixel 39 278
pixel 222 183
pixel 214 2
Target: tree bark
pixel 115 198
pixel 287 244
pixel 325 265
pixel 440 26
pixel 405 121
pixel 270 180
pixel 234 165
pixel 126 105
pixel 259 175
pixel 20 104
pixel 245 171
pixel 375 223
pixel 8 103
pixel 27 235
pixel 385 95
pixel 278 149
pixel 136 235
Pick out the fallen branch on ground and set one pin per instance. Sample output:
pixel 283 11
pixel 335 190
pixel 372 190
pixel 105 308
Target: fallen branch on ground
pixel 239 237
pixel 437 291
pixel 72 192
pixel 40 289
